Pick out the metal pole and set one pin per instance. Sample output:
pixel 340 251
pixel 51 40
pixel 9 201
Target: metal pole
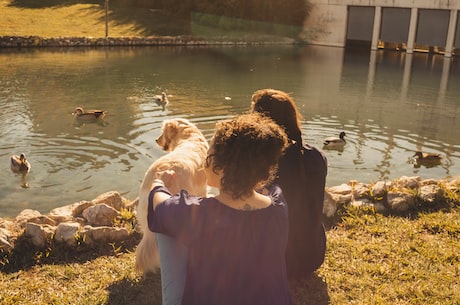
pixel 106 18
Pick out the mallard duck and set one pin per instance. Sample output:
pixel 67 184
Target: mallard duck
pixel 161 99
pixel 88 115
pixel 19 164
pixel 427 158
pixel 335 141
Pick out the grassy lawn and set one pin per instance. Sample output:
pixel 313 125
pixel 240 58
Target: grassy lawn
pixel 48 18
pixel 371 259
pixel 63 18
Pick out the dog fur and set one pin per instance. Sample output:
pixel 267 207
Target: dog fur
pixel 187 149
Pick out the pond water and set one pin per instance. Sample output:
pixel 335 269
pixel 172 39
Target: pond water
pixel 389 104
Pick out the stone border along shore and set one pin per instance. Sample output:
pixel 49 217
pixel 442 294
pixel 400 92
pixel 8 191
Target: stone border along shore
pixel 37 41
pixel 111 218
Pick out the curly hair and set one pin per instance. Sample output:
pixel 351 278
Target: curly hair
pixel 279 106
pixel 247 149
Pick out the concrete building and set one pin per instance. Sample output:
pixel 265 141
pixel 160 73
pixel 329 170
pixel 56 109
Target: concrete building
pixel 410 25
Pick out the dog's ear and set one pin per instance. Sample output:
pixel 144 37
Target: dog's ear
pixel 171 128
pixel 183 122
pixel 185 127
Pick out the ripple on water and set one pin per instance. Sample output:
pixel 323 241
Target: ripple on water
pixel 65 168
pixel 375 152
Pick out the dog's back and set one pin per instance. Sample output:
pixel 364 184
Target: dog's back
pixel 187 149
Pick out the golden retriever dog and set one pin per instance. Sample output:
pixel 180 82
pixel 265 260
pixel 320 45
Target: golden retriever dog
pixel 187 149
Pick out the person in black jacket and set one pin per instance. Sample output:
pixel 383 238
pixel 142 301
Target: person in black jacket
pixel 302 172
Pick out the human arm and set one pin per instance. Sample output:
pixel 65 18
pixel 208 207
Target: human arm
pixel 162 179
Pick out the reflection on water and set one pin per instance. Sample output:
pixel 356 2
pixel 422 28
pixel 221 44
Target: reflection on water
pixel 389 104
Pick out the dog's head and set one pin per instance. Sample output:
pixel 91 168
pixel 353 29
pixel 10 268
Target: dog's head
pixel 174 131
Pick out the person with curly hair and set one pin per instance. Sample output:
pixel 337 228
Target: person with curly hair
pixel 236 240
pixel 302 172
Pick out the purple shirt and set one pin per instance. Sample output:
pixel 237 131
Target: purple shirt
pixel 235 256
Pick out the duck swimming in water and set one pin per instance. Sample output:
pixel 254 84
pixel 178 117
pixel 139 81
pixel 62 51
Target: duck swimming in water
pixel 19 164
pixel 427 158
pixel 161 100
pixel 88 115
pixel 333 142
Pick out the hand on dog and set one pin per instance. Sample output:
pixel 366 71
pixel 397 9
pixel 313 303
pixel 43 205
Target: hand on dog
pixel 167 177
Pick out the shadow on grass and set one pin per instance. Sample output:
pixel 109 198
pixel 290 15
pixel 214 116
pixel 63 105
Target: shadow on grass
pixel 147 21
pixel 145 291
pixel 48 3
pixel 312 291
pixel 25 255
pixel 150 21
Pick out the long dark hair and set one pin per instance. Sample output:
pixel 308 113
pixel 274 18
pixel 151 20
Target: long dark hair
pixel 279 106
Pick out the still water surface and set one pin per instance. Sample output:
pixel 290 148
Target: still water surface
pixel 389 104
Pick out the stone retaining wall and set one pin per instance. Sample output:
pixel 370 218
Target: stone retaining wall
pixel 36 41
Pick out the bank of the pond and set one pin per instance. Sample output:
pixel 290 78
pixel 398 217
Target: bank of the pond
pixel 111 218
pixel 370 258
pixel 37 41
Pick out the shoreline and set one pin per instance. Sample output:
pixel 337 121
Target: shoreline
pixel 39 42
pixel 110 217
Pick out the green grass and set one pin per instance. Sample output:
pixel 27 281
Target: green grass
pixel 371 259
pixel 63 18
pixel 83 18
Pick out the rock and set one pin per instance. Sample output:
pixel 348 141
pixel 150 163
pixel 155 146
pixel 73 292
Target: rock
pixel 330 205
pixel 430 192
pixel 100 215
pixel 68 212
pixel 428 182
pixel 408 182
pixel 25 215
pixel 400 202
pixel 341 194
pixel 40 235
pixel 67 233
pixel 42 219
pixel 79 207
pixel 361 190
pixel 97 235
pixel 367 203
pixel 5 243
pixel 343 189
pixel 8 224
pixel 379 189
pixel 112 199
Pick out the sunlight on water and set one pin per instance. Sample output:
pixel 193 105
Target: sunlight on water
pixel 389 104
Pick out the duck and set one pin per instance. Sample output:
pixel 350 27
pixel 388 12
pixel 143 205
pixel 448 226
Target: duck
pixel 427 158
pixel 161 99
pixel 335 141
pixel 88 115
pixel 19 164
